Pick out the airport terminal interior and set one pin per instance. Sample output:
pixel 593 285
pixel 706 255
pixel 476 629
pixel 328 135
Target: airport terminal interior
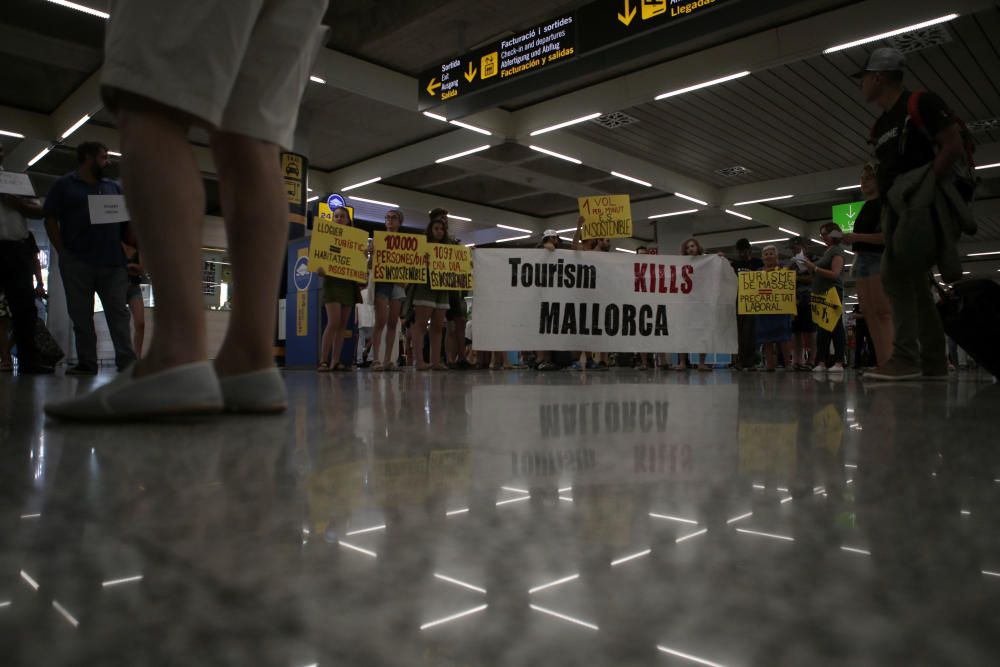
pixel 729 509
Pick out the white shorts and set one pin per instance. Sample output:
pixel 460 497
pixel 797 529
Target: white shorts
pixel 241 66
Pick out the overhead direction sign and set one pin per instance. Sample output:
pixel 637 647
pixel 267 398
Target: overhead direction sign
pixel 562 39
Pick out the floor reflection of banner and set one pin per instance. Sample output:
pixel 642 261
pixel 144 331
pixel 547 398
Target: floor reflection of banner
pixel 604 433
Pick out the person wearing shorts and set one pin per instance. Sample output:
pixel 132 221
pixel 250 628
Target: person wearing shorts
pixel 389 298
pixel 133 297
pixel 339 298
pixel 430 305
pixel 238 70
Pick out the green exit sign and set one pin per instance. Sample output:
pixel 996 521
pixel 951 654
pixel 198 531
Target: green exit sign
pixel 844 215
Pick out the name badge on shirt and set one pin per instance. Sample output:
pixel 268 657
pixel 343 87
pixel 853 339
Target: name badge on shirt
pixel 107 209
pixel 14 183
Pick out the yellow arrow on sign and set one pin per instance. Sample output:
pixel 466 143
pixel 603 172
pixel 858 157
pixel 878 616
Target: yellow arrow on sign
pixel 433 86
pixel 629 14
pixel 471 74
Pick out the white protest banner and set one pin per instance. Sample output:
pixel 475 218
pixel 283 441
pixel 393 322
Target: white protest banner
pixel 603 302
pixel 14 183
pixel 107 209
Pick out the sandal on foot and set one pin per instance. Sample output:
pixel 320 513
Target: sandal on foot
pixel 323 368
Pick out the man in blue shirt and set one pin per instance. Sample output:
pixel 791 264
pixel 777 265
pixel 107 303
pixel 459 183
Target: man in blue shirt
pixel 91 258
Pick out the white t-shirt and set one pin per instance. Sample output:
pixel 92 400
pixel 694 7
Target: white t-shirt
pixel 12 224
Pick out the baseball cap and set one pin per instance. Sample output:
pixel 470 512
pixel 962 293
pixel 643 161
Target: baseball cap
pixel 883 60
pixel 742 244
pixel 550 232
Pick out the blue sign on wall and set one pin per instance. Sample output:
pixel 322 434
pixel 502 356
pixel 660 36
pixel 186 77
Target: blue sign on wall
pixel 335 200
pixel 302 275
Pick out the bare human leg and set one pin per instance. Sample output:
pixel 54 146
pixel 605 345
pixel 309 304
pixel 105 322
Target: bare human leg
pixel 418 331
pixel 395 305
pixel 138 310
pixel 338 334
pixel 329 333
pixel 437 328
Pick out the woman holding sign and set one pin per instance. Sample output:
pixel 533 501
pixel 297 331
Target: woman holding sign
pixel 389 298
pixel 339 297
pixel 692 248
pixel 774 332
pixel 827 274
pixel 430 304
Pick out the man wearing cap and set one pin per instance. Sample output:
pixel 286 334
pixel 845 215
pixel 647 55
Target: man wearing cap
pixel 746 358
pixel 902 145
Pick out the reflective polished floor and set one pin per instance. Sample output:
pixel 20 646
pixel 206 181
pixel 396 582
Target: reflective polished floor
pixel 511 518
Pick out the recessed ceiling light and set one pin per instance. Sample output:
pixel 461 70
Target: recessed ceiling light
pixel 81 8
pixel 891 33
pixel 738 215
pixel 761 201
pixel 361 184
pixel 76 126
pixel 515 229
pixel 466 126
pixel 43 153
pixel 316 79
pixel 373 201
pixel 691 199
pixel 559 126
pixel 698 86
pixel 5 133
pixel 670 215
pixel 554 154
pixel 462 154
pixel 631 178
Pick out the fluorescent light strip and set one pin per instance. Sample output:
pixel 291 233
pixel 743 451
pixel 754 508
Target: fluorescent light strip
pixel 114 154
pixel 566 498
pixel 43 153
pixel 466 126
pixel 631 178
pixel 454 617
pixel 691 199
pixel 738 215
pixel 856 551
pixel 685 538
pixel 759 486
pixel 126 580
pixel 27 578
pixel 670 215
pixel 515 490
pixel 316 79
pixel 458 217
pixel 454 512
pixel 760 534
pixel 5 133
pixel 848 187
pixel 76 126
pixel 512 500
pixel 992 574
pixel 783 238
pixel 631 252
pixel 566 238
pixel 851 465
pixel 554 154
pixel 983 254
pixel 572 577
pixel 761 201
pixel 462 154
pixel 458 582
pixel 5 603
pixel 891 33
pixel 988 166
pixel 698 86
pixel 435 116
pixel 817 241
pixel 564 617
pixel 740 517
pixel 788 231
pixel 787 500
pixel 626 559
pixel 362 531
pixel 514 229
pixel 673 518
pixel 688 656
pixel 30 516
pixel 65 614
pixel 357 548
pixel 564 490
pixel 81 8
pixel 361 184
pixel 563 231
pixel 373 201
pixel 513 238
pixel 312 199
pixel 559 126
pixel 470 245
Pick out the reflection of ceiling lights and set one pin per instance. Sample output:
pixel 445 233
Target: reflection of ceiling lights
pixel 891 33
pixel 761 201
pixel 554 154
pixel 462 154
pixel 81 8
pixel 631 178
pixel 559 126
pixel 361 184
pixel 670 215
pixel 699 86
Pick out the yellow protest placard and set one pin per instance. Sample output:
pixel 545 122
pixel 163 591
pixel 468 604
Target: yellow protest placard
pixel 340 251
pixel 766 293
pixel 826 309
pixel 399 258
pixel 606 217
pixel 450 267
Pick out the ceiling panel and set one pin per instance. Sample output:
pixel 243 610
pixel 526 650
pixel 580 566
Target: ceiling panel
pixel 541 205
pixel 480 188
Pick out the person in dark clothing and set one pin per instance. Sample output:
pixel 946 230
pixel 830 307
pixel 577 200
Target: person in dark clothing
pixel 902 145
pixel 747 357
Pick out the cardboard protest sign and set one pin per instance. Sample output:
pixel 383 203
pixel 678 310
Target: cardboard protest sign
pixel 766 292
pixel 826 309
pixel 340 251
pixel 450 267
pixel 400 258
pixel 606 217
